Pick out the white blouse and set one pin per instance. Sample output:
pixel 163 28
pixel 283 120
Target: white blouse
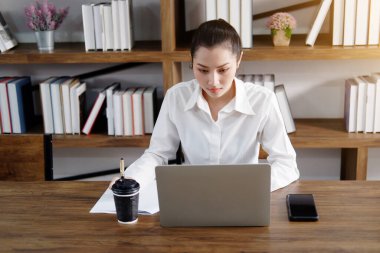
pixel 250 119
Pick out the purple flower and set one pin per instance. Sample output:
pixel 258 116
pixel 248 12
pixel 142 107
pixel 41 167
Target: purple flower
pixel 44 16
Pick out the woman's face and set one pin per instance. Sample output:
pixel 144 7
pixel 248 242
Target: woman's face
pixel 215 69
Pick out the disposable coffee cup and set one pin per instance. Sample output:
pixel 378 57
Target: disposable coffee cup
pixel 126 196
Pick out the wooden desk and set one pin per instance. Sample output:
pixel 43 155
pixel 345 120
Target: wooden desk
pixel 54 217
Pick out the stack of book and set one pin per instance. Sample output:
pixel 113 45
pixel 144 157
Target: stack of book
pixel 16 105
pixel 362 104
pixel 355 22
pixel 127 112
pixel 268 81
pixel 7 41
pixel 62 100
pixel 108 26
pixel 238 13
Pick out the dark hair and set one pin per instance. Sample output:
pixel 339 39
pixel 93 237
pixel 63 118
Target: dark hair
pixel 213 33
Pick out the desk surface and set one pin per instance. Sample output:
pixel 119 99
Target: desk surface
pixel 54 217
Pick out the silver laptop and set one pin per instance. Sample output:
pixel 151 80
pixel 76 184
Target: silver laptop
pixel 214 195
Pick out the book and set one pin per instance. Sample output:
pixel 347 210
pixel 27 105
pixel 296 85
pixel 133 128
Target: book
pixel 370 104
pixel 284 106
pixel 362 15
pixel 110 90
pixel 66 103
pixel 95 111
pixel 374 23
pixel 222 12
pixel 128 112
pixel 234 15
pixel 349 22
pixel 88 26
pixel 258 79
pixel 350 104
pixel 6 121
pixel 21 104
pixel 118 112
pixel 7 40
pixel 138 111
pixel 47 109
pixel 376 120
pixel 77 106
pixel 98 26
pixel 150 109
pixel 124 25
pixel 130 30
pixel 318 21
pixel 338 23
pixel 55 92
pixel 106 13
pixel 246 23
pixel 361 105
pixel 268 81
pixel 115 24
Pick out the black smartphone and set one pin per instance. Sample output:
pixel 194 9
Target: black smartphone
pixel 301 207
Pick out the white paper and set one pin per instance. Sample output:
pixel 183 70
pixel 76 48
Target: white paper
pixel 148 201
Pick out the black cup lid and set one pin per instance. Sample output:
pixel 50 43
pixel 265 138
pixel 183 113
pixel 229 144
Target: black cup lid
pixel 125 186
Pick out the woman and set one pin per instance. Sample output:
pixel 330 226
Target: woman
pixel 217 118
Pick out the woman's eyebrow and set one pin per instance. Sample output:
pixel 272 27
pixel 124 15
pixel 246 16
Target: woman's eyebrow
pixel 203 66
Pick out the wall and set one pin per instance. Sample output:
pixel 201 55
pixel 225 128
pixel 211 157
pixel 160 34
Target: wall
pixel 315 88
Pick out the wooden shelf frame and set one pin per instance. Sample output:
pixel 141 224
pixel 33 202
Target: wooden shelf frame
pixel 172 51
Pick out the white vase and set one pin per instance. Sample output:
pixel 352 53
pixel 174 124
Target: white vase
pixel 45 40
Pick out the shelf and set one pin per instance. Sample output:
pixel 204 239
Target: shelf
pixel 329 133
pixel 264 50
pixel 311 133
pixel 99 140
pixel 64 53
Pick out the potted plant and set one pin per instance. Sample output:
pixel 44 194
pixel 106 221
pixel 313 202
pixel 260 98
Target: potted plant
pixel 281 25
pixel 44 18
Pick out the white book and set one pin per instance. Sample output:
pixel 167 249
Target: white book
pixel 246 23
pixel 138 111
pixel 7 40
pixel 234 12
pixel 374 23
pixel 222 7
pixel 118 112
pixel 349 22
pixel 115 24
pixel 77 97
pixel 338 23
pixel 370 104
pixel 94 112
pixel 376 121
pixel 109 109
pixel 350 104
pixel 258 79
pixel 5 112
pixel 284 106
pixel 210 9
pixel 268 81
pixel 55 91
pixel 317 25
pixel 129 24
pixel 248 79
pixel 98 27
pixel 361 108
pixel 106 13
pixel 66 101
pixel 128 112
pixel 123 25
pixel 149 97
pixel 47 109
pixel 88 26
pixel 362 15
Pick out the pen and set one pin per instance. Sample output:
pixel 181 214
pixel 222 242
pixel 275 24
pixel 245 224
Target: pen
pixel 121 167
